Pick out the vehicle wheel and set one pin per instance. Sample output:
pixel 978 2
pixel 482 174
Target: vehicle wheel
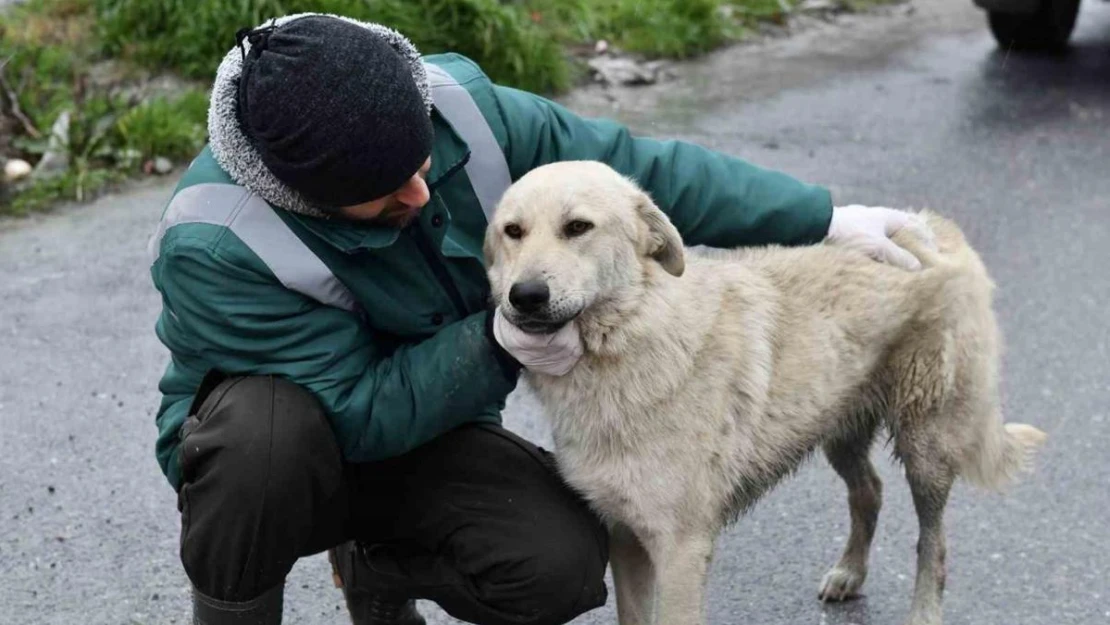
pixel 1049 28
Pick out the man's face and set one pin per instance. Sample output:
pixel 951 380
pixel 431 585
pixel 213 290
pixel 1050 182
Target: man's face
pixel 398 208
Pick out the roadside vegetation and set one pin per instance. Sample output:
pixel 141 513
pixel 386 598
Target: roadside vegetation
pixel 94 92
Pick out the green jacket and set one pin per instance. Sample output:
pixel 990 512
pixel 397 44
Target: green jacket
pixel 413 361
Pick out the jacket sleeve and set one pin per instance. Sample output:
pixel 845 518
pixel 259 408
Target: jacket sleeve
pixel 382 401
pixel 712 199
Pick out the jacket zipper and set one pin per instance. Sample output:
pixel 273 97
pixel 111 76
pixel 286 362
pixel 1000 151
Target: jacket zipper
pixel 445 281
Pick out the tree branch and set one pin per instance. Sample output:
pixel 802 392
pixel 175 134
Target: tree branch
pixel 28 125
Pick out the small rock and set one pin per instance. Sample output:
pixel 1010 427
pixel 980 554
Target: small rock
pixel 50 489
pixel 822 6
pixel 625 71
pixel 16 170
pixel 56 158
pixel 162 166
pixel 155 597
pixel 771 145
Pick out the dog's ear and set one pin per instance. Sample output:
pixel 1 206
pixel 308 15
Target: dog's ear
pixel 664 242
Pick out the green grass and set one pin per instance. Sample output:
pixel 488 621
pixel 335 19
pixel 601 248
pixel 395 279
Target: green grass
pixel 70 186
pixel 47 51
pixel 520 43
pixel 191 36
pixel 44 47
pixel 655 28
pixel 49 47
pixel 173 128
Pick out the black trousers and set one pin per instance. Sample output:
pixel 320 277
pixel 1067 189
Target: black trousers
pixel 476 520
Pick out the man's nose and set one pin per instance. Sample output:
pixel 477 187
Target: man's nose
pixel 529 296
pixel 414 193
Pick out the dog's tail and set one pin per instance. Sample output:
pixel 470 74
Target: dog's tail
pixel 935 240
pixel 1003 452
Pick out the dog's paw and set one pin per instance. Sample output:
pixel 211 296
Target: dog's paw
pixel 841 583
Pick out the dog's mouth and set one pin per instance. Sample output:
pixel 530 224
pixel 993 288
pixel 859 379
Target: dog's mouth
pixel 536 324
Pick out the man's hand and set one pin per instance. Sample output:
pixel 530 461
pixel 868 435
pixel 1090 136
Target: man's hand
pixel 869 228
pixel 553 354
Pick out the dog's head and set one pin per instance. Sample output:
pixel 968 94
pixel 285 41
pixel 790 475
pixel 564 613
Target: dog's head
pixel 569 236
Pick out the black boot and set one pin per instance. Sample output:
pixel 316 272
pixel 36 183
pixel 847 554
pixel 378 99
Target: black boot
pixel 265 610
pixel 367 605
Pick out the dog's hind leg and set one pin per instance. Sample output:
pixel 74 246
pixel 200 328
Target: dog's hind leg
pixel 930 484
pixel 865 497
pixel 633 578
pixel 681 568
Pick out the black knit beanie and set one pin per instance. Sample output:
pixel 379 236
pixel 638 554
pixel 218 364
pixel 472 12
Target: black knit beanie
pixel 332 109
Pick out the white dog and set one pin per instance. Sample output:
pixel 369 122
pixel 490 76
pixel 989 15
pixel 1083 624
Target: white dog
pixel 705 380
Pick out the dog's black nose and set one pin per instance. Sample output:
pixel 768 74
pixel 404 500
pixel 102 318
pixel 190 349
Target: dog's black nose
pixel 529 296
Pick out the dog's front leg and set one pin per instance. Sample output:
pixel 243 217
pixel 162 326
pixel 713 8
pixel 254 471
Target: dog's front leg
pixel 633 578
pixel 681 567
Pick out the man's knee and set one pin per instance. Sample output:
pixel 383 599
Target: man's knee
pixel 262 485
pixel 258 433
pixel 556 576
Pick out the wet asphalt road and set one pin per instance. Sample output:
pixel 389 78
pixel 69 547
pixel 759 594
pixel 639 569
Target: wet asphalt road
pixel 897 110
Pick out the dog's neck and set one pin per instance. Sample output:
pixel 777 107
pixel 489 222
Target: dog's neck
pixel 641 345
pixel 612 328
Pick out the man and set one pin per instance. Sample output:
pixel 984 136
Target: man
pixel 336 376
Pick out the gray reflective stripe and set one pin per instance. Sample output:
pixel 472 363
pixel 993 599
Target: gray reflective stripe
pixel 487 170
pixel 291 261
pixel 256 224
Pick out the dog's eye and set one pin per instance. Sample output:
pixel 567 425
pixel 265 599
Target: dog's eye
pixel 577 227
pixel 513 231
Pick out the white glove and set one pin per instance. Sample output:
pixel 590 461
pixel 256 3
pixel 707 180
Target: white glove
pixel 553 354
pixel 869 228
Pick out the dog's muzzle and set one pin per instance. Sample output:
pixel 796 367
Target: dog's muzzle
pixel 532 309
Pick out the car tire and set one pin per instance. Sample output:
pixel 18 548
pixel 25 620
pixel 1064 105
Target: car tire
pixel 1047 29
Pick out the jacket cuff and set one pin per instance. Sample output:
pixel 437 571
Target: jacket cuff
pixel 509 365
pixel 823 220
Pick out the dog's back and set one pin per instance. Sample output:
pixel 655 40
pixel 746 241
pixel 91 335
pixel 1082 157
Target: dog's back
pixel 858 342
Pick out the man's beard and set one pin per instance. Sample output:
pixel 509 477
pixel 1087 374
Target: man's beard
pixel 396 215
pixel 399 217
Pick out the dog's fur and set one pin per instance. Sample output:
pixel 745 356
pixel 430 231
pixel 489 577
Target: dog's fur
pixel 707 378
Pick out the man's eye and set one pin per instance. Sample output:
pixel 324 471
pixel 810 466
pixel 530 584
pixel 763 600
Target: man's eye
pixel 513 231
pixel 577 227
